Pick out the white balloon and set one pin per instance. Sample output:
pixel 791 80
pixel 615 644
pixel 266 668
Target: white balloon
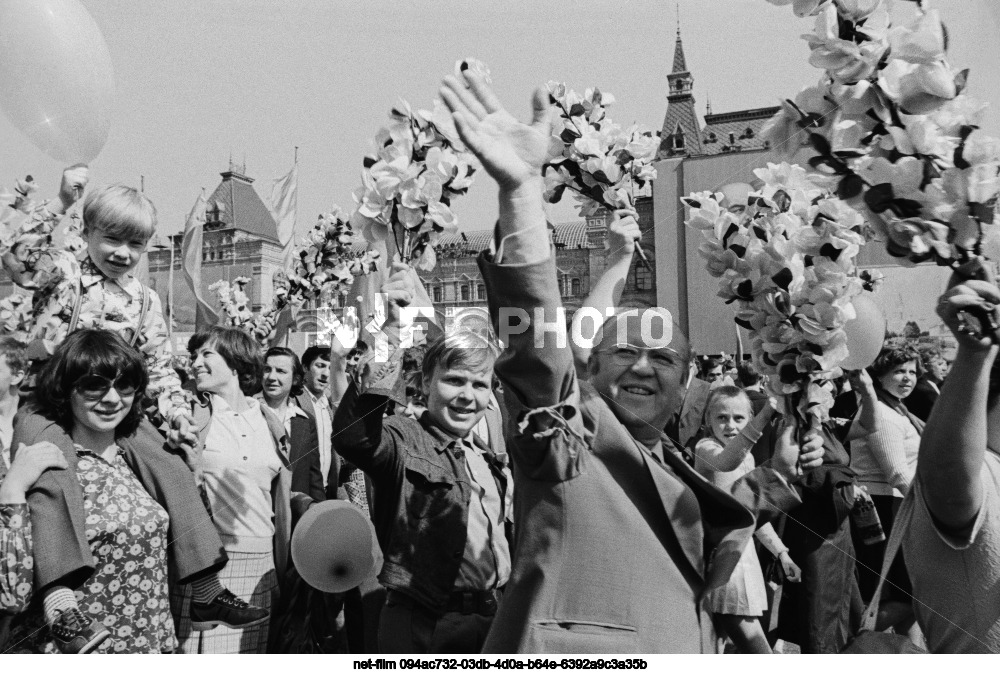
pixel 865 334
pixel 57 84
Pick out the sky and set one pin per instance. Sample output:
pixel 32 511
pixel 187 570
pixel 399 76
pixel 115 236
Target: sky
pixel 199 81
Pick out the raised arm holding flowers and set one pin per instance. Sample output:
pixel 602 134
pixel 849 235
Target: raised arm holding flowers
pixel 599 161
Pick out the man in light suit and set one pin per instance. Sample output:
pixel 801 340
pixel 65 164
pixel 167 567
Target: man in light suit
pixel 613 531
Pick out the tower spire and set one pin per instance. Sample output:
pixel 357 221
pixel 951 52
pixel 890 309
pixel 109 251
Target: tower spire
pixel 681 132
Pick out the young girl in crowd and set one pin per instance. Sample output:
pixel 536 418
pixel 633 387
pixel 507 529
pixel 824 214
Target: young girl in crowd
pixel 723 457
pixel 97 290
pixel 93 387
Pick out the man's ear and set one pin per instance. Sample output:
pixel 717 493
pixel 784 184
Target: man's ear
pixel 17 378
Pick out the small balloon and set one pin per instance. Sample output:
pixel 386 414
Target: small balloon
pixel 865 334
pixel 57 84
pixel 334 547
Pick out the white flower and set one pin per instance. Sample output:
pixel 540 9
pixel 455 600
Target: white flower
pixel 918 88
pixel 801 7
pixel 844 60
pixel 920 41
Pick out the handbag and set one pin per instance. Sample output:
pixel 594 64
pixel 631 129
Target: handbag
pixel 868 640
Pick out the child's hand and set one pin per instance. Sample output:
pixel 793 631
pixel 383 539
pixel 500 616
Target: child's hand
pixel 74 181
pixel 28 465
pixel 793 573
pixel 180 435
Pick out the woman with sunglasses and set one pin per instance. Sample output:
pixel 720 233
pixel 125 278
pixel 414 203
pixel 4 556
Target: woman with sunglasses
pixel 93 387
pixel 246 480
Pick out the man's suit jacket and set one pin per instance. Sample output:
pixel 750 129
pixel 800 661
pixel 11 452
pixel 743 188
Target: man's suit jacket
pixel 691 416
pixel 304 457
pixel 613 549
pixel 304 400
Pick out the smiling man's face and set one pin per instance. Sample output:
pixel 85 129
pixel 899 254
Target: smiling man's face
pixel 642 386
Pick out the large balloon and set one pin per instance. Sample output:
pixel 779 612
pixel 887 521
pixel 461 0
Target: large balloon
pixel 57 85
pixel 334 547
pixel 865 334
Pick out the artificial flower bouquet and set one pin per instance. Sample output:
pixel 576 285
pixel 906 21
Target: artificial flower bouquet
pixel 889 123
pixel 420 166
pixel 324 264
pixel 788 260
pixel 601 163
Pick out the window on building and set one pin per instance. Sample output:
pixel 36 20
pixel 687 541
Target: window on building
pixel 732 138
pixel 642 279
pixel 465 293
pixel 575 291
pixel 748 133
pixel 449 292
pixel 679 140
pixel 437 294
pixel 480 291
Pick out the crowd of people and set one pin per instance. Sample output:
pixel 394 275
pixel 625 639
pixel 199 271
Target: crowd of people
pixel 543 497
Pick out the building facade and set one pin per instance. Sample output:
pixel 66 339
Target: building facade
pixel 240 239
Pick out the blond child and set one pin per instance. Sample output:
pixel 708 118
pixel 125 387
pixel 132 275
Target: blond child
pixel 95 288
pixel 723 457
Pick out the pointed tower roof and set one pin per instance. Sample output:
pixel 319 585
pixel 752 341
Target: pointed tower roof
pixel 236 204
pixel 680 65
pixel 681 132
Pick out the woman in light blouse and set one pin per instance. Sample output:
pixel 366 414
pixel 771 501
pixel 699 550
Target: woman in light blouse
pixel 884 458
pixel 244 471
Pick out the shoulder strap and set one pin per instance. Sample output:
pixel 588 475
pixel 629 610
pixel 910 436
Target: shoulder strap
pixel 892 547
pixel 142 315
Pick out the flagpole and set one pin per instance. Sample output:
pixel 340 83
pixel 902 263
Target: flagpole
pixel 170 296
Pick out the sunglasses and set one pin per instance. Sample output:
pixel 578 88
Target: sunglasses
pixel 93 387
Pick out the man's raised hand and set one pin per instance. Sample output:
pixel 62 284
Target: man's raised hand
pixel 512 152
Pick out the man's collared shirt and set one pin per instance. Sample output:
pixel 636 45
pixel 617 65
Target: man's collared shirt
pixel 290 411
pixel 324 429
pixel 486 560
pixel 6 435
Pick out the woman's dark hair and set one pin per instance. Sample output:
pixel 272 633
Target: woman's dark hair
pixel 85 352
pixel 298 373
pixel 238 349
pixel 891 357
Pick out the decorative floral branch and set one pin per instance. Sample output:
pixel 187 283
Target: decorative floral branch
pixel 409 184
pixel 600 162
pixel 788 260
pixel 323 265
pixel 889 123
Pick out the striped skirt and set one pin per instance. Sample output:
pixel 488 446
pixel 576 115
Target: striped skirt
pixel 252 577
pixel 744 594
